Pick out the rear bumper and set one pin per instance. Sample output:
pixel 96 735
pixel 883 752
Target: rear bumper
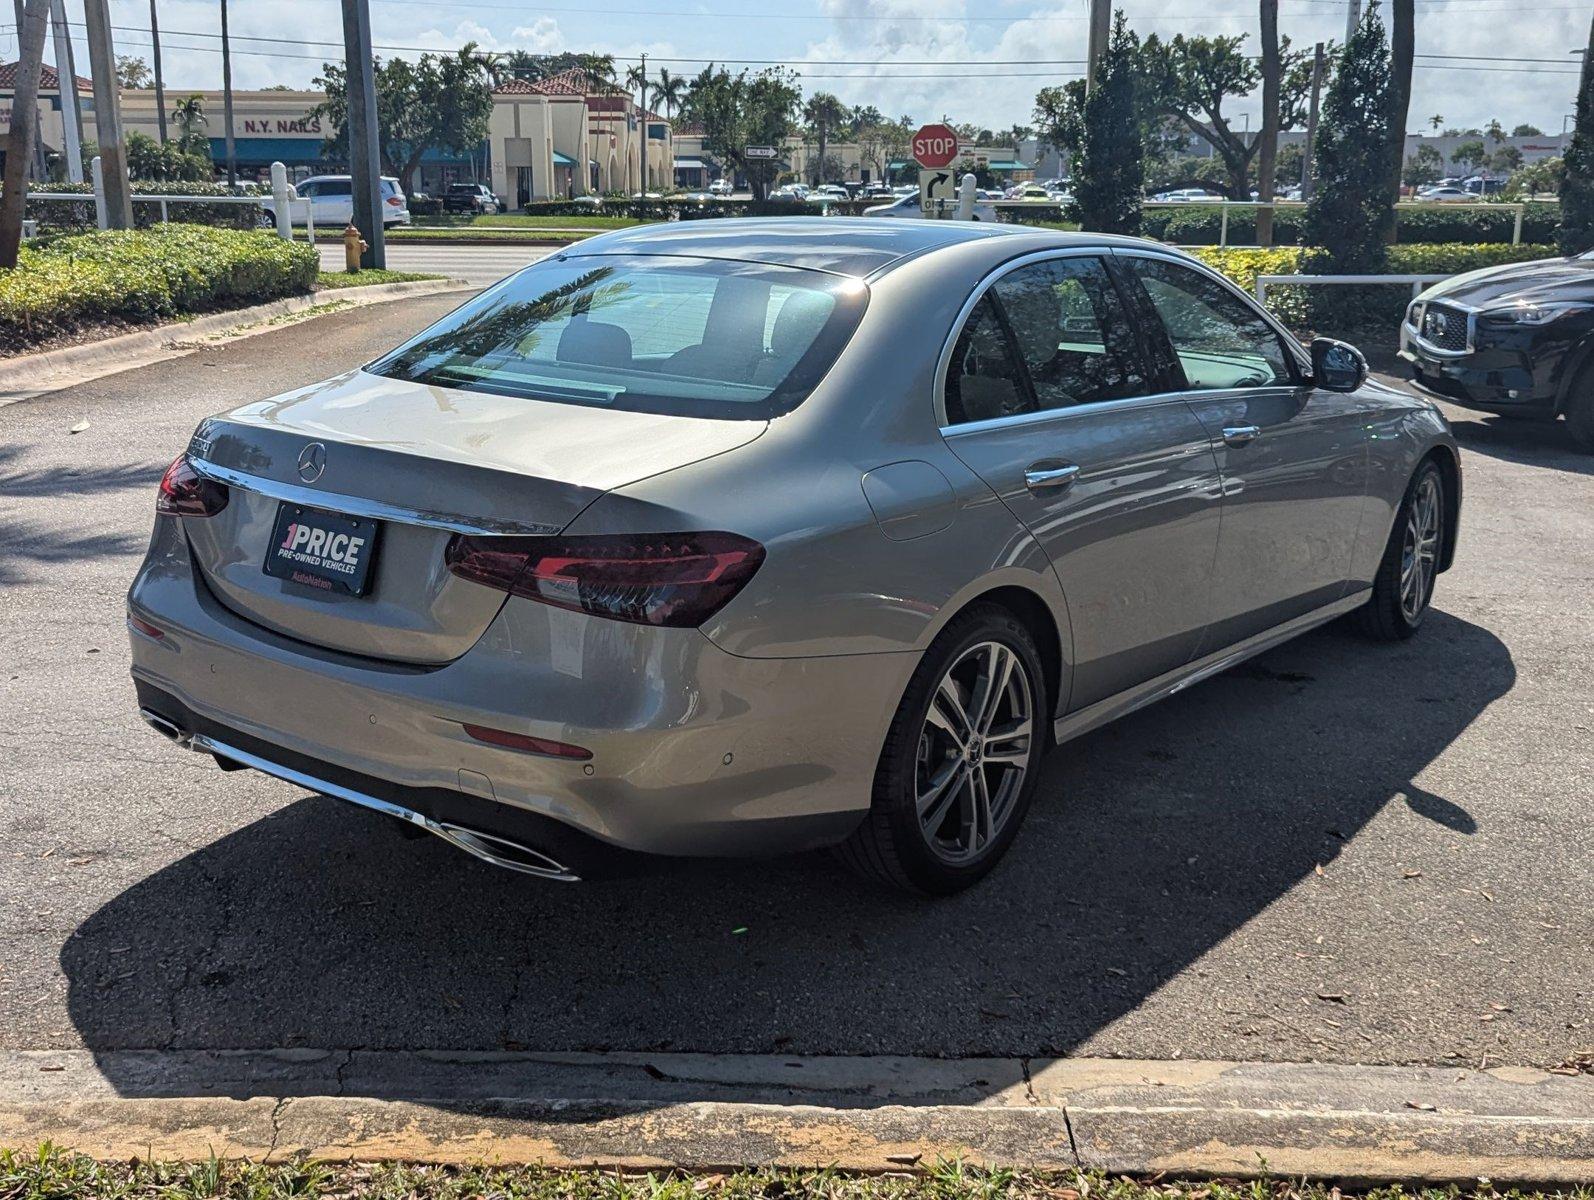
pixel 694 751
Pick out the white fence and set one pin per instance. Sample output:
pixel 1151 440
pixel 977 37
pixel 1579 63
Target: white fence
pixel 1517 209
pixel 284 201
pixel 1417 282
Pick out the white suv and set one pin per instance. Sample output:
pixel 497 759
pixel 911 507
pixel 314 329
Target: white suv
pixel 331 201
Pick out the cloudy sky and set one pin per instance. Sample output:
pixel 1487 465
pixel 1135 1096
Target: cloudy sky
pixel 974 60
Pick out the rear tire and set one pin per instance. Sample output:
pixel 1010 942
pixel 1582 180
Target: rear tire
pixel 960 761
pixel 1403 587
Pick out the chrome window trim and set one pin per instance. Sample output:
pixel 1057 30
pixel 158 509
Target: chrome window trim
pixel 1102 250
pixel 360 506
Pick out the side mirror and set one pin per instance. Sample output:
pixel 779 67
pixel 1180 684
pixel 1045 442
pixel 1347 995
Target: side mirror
pixel 1337 366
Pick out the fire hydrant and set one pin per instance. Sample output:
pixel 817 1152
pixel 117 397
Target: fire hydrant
pixel 353 247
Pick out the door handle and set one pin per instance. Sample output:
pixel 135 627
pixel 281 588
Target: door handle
pixel 1043 475
pixel 1241 435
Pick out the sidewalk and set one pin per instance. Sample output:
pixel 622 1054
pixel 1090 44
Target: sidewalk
pixel 718 1112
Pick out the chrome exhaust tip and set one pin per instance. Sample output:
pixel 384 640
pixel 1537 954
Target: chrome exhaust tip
pixel 168 729
pixel 501 852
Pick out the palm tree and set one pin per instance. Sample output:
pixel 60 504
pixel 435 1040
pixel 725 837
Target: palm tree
pixel 599 67
pixel 522 64
pixel 1436 120
pixel 669 91
pixel 188 114
pixel 824 112
pixel 636 79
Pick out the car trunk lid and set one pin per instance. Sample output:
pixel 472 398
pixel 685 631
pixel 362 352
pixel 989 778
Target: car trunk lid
pixel 420 463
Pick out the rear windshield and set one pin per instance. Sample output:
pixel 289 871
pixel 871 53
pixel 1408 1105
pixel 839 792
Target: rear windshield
pixel 689 336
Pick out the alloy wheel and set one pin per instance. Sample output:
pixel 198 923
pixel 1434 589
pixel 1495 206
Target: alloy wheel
pixel 974 751
pixel 1419 551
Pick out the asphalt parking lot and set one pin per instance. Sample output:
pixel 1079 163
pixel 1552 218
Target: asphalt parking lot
pixel 1339 851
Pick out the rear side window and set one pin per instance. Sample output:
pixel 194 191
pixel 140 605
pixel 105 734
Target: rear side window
pixel 983 380
pixel 1219 339
pixel 1068 324
pixel 333 187
pixel 694 337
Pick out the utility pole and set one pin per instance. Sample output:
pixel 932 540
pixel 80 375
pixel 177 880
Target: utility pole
pixel 365 165
pixel 1353 18
pixel 226 98
pixel 24 127
pixel 1311 122
pixel 66 75
pixel 1267 152
pixel 160 82
pixel 642 124
pixel 108 115
pixel 1100 26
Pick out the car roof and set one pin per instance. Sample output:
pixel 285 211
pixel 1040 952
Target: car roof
pixel 857 246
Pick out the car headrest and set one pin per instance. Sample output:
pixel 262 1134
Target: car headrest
pixel 798 323
pixel 595 342
pixel 1035 311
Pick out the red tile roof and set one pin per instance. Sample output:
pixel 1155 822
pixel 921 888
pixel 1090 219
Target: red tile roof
pixel 49 81
pixel 574 82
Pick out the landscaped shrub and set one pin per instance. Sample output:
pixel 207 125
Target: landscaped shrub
pixel 140 275
pixel 1347 311
pixel 79 214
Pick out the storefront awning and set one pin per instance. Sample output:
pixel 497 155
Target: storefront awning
pixel 690 164
pixel 1008 164
pixel 563 160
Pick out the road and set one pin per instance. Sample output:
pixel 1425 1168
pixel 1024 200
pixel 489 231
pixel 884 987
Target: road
pixel 478 264
pixel 1339 851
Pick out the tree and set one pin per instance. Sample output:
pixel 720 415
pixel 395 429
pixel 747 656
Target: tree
pixel 1060 117
pixel 1189 79
pixel 1287 167
pixel 24 123
pixel 1402 46
pixel 132 72
pixel 1435 121
pixel 437 102
pixel 1469 154
pixel 1542 176
pixel 1495 130
pixel 1019 133
pixel 668 92
pixel 1108 170
pixel 882 142
pixel 1425 166
pixel 823 112
pixel 1577 180
pixel 1505 160
pixel 737 111
pixel 188 114
pixel 1349 214
pixel 1272 77
pixel 1527 131
pixel 148 159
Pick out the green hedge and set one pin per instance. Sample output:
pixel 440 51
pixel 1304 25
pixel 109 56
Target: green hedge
pixel 1341 309
pixel 58 215
pixel 141 275
pixel 1201 224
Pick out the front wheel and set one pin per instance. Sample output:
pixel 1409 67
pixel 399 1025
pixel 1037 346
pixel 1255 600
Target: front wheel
pixel 960 760
pixel 1403 587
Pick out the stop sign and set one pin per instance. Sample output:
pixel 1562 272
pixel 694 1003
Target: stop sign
pixel 935 145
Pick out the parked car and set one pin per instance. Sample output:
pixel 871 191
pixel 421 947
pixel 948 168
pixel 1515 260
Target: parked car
pixel 721 187
pixel 1188 196
pixel 1028 191
pixel 612 558
pixel 1517 340
pixel 331 202
pixel 908 206
pixel 470 198
pixel 830 191
pixel 1446 195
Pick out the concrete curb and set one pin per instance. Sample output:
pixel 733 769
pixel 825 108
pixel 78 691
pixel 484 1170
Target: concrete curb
pixel 29 375
pixel 1343 1123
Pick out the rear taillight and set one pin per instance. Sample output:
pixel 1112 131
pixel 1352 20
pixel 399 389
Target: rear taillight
pixel 185 492
pixel 395 201
pixel 677 579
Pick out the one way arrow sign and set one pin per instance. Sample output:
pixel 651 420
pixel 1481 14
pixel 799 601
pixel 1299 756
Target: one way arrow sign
pixel 936 185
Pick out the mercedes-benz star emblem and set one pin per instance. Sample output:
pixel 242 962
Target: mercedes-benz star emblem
pixel 312 461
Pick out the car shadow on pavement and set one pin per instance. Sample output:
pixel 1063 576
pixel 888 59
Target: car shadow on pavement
pixel 1151 842
pixel 1532 443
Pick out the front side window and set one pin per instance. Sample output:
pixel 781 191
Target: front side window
pixel 1219 339
pixel 1069 325
pixel 693 337
pixel 334 187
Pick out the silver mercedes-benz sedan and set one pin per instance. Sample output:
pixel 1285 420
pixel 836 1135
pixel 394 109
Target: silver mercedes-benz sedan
pixel 748 536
